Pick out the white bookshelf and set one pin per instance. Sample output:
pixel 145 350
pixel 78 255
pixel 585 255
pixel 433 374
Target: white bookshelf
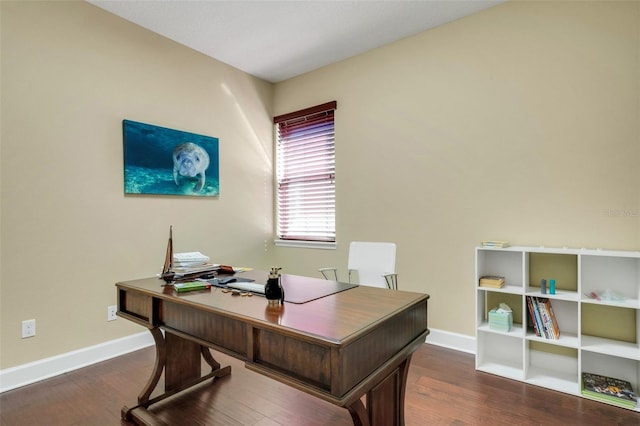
pixel 596 336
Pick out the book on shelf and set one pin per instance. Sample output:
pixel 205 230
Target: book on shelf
pixel 532 316
pixel 617 402
pixel 495 243
pixel 549 324
pixel 552 318
pixel 542 317
pixel 491 281
pixel 608 389
pixel 537 313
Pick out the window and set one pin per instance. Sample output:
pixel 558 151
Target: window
pixel 305 174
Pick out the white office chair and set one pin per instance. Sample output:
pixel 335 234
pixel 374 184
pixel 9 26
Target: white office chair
pixel 373 263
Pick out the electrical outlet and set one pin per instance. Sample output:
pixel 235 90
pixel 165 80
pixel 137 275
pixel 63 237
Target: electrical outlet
pixel 111 313
pixel 28 328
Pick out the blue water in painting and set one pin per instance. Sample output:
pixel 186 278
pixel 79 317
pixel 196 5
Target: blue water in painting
pixel 148 161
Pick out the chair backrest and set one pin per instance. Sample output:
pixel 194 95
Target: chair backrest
pixel 371 261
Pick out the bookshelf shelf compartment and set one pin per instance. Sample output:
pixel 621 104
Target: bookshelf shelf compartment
pixel 627 303
pixel 570 296
pixel 596 336
pixel 510 289
pixel 516 331
pixel 554 380
pixel 552 367
pixel 610 366
pixel 611 347
pixel 567 340
pixel 501 354
pixel 501 369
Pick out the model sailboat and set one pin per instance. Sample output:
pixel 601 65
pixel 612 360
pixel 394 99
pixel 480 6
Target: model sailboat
pixel 167 270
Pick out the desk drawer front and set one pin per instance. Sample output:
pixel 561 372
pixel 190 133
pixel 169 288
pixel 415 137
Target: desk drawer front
pixel 293 357
pixel 364 355
pixel 135 304
pixel 223 332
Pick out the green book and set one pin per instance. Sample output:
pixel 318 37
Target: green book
pixel 614 401
pixel 190 286
pixel 608 389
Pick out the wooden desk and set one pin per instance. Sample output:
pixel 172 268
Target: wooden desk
pixel 338 348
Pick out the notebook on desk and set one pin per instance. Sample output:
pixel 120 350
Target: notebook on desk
pixel 251 286
pixel 300 290
pixel 244 284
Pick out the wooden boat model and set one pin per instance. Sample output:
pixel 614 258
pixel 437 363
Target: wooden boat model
pixel 167 271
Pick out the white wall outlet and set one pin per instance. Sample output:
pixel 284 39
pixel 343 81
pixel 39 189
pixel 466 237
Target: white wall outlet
pixel 28 328
pixel 111 313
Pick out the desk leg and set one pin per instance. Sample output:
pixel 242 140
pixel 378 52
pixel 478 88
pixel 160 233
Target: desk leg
pixel 161 356
pixel 181 362
pixel 385 401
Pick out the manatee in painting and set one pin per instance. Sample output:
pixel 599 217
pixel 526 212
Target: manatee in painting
pixel 190 160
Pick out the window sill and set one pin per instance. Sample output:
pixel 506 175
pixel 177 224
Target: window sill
pixel 323 245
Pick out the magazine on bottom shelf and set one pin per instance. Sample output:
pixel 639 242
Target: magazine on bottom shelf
pixel 608 389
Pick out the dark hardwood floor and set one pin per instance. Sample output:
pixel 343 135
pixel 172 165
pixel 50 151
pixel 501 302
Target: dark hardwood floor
pixel 443 389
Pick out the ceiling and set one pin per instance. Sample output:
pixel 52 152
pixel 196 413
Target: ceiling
pixel 276 40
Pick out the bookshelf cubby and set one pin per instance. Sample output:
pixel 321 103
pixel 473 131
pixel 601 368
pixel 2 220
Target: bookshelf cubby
pixel 598 335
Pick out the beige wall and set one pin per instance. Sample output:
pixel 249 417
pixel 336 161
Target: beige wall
pixel 70 73
pixel 521 123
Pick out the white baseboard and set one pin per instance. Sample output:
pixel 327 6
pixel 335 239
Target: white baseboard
pixel 447 339
pixel 21 375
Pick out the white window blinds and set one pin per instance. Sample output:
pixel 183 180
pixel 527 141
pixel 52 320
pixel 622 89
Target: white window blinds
pixel 305 173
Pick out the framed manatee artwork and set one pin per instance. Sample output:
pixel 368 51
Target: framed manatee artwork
pixel 164 161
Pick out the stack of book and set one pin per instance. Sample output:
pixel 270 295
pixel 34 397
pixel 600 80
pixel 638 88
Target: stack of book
pixel 495 243
pixel 492 281
pixel 192 262
pixel 542 317
pixel 192 258
pixel 610 390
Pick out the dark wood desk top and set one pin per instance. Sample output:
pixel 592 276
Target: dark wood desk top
pixel 334 319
